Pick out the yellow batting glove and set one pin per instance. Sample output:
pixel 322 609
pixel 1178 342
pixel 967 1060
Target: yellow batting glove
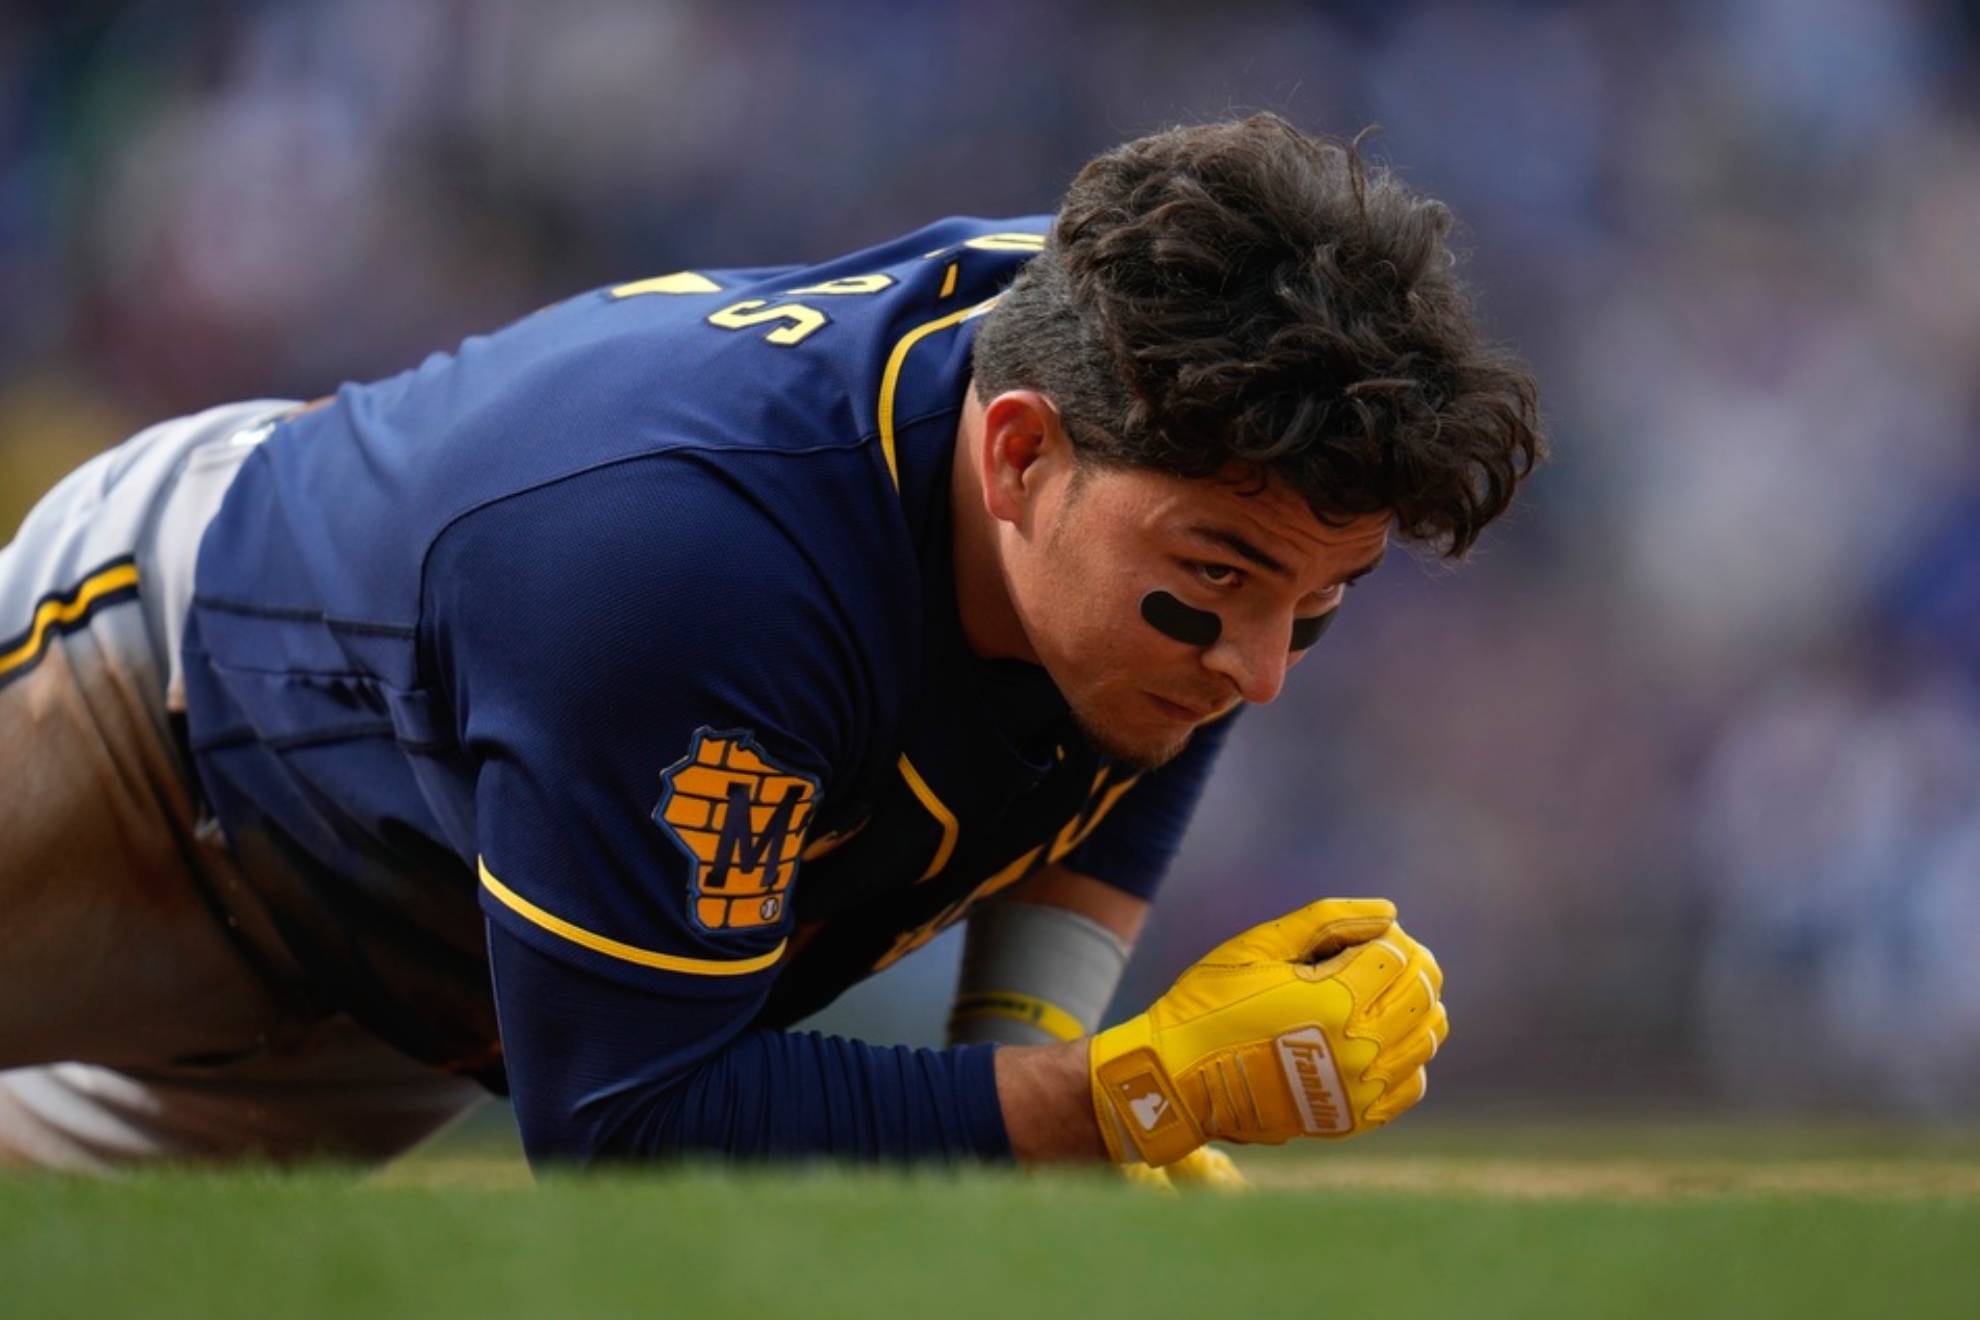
pixel 1208 1168
pixel 1318 1024
pixel 1205 1167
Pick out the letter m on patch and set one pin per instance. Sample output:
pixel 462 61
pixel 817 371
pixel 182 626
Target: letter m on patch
pixel 740 818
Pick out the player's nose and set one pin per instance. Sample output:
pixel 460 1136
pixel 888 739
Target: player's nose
pixel 1255 660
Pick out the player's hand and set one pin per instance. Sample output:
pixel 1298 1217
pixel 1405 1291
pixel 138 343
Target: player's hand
pixel 1205 1167
pixel 1317 1024
pixel 1208 1168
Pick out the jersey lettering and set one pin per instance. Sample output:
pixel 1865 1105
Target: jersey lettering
pixel 800 322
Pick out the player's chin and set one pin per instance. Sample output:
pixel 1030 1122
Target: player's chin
pixel 1138 744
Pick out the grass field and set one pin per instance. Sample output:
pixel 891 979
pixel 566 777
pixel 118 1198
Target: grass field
pixel 1528 1221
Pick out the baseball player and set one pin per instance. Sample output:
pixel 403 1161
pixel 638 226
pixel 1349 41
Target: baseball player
pixel 573 713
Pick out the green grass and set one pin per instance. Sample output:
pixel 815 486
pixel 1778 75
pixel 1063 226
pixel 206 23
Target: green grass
pixel 1620 1222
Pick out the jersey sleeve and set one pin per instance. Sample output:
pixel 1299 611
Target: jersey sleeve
pixel 655 688
pixel 601 1072
pixel 1132 848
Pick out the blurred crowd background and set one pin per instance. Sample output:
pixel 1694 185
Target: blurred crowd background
pixel 1680 774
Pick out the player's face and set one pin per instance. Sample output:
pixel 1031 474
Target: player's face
pixel 1258 559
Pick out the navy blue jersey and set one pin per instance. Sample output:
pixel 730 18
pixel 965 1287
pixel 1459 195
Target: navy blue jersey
pixel 631 628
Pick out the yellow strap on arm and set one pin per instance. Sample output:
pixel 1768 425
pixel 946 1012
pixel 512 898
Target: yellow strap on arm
pixel 1015 1006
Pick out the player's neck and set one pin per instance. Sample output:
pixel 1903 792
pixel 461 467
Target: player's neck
pixel 990 623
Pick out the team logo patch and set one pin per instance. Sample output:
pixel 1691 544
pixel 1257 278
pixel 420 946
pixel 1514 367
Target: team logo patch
pixel 740 818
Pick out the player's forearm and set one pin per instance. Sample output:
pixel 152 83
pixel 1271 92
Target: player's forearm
pixel 803 1095
pixel 1047 1099
pixel 776 1096
pixel 599 1071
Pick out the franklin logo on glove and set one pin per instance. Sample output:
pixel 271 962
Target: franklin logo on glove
pixel 1316 1083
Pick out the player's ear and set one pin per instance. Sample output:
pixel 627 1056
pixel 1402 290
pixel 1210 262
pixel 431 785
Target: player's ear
pixel 1022 435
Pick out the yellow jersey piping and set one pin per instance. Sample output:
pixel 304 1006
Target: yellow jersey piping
pixel 890 379
pixel 936 808
pixel 611 948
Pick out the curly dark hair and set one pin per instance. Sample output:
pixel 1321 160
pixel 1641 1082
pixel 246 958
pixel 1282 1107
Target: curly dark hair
pixel 1243 294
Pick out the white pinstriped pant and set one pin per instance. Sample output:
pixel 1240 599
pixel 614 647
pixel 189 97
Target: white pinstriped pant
pixel 132 1026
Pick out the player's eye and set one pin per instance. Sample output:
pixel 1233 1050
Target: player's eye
pixel 1340 589
pixel 1221 576
pixel 1321 601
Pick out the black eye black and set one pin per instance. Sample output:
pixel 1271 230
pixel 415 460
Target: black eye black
pixel 1307 631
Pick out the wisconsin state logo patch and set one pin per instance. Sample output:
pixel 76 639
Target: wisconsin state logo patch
pixel 740 819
